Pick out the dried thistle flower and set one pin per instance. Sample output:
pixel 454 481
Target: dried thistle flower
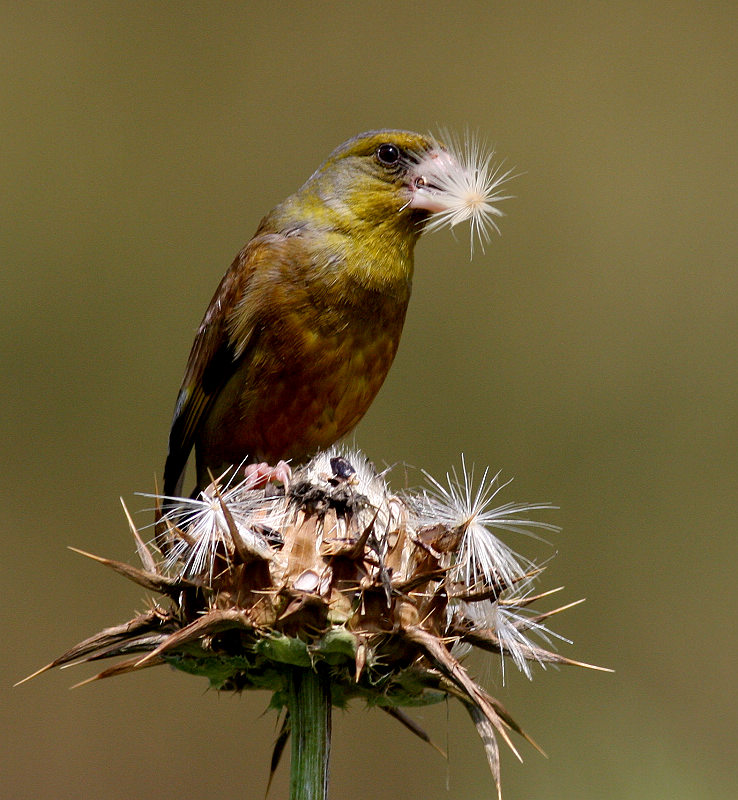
pixel 339 577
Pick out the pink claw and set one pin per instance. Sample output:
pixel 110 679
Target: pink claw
pixel 259 475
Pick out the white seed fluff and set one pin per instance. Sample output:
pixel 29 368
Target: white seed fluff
pixel 482 557
pixel 463 181
pixel 203 520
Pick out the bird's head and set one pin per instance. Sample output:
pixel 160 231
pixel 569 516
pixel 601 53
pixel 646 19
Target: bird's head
pixel 394 184
pixel 371 181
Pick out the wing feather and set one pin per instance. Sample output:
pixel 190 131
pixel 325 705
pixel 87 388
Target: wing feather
pixel 250 296
pixel 211 363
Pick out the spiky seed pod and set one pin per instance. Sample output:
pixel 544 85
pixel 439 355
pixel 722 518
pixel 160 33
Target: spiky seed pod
pixel 337 572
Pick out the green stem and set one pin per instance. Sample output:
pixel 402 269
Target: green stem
pixel 310 721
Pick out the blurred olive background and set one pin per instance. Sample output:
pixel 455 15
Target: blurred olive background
pixel 590 353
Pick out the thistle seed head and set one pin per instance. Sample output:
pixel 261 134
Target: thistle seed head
pixel 389 591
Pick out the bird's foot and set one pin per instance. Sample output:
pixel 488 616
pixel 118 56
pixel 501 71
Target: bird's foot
pixel 259 475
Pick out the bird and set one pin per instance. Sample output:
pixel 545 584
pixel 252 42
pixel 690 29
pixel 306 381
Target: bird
pixel 304 326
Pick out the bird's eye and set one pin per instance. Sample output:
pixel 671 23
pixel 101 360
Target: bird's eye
pixel 388 154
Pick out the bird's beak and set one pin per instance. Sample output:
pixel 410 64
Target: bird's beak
pixel 426 192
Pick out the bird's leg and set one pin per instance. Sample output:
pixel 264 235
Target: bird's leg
pixel 259 475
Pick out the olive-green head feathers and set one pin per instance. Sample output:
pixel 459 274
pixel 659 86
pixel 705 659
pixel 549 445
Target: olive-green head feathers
pixel 364 187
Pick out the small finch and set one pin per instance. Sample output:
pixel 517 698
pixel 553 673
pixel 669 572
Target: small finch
pixel 305 324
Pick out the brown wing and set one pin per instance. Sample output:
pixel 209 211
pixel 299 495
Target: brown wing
pixel 216 351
